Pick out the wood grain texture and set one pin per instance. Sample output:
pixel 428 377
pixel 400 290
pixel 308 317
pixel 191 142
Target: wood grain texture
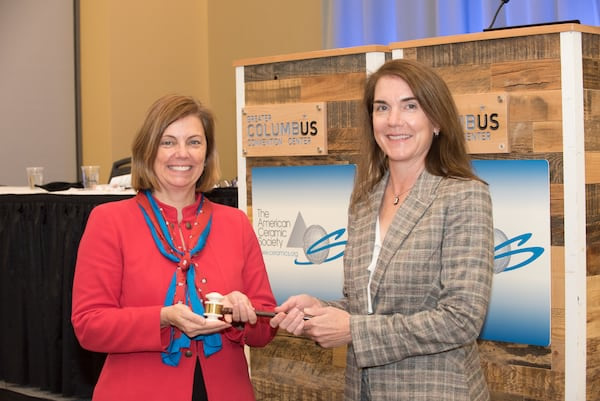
pixel 593 255
pixel 528 48
pixel 530 75
pixel 593 338
pixel 302 68
pixel 516 354
pixel 590 46
pixel 527 67
pixel 591 105
pixel 273 92
pixel 338 87
pixel 295 368
pixel 530 383
pixel 593 369
pixel 557 255
pixel 557 206
pixel 479 78
pixel 520 136
pixel 547 136
pixel 328 88
pixel 592 167
pixel 591 74
pixel 535 106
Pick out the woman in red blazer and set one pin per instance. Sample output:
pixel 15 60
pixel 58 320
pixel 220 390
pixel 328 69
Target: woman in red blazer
pixel 145 265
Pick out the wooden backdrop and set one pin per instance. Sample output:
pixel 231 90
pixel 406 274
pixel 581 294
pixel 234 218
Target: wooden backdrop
pixel 528 67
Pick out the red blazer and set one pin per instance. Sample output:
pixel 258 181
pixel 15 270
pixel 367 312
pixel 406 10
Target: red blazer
pixel 119 287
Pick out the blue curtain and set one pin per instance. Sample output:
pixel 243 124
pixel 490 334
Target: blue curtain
pixel 349 23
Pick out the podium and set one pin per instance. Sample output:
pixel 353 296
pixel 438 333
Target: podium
pixel 552 76
pixel 294 368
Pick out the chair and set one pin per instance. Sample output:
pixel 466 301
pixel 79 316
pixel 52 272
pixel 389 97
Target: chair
pixel 121 168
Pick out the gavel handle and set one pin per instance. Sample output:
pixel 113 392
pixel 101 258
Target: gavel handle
pixel 229 311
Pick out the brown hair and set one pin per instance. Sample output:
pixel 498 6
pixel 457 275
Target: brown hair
pixel 161 114
pixel 447 155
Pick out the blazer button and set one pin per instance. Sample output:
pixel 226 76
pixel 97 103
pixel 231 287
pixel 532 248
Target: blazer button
pixel 188 225
pixel 188 353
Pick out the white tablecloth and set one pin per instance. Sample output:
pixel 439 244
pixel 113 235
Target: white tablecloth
pixel 100 190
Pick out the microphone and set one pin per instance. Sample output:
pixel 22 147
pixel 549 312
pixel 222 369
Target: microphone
pixel 502 3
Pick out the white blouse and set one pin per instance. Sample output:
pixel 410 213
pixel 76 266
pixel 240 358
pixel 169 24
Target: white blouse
pixel 371 267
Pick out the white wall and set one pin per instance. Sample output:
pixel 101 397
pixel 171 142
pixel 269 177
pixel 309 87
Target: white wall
pixel 37 90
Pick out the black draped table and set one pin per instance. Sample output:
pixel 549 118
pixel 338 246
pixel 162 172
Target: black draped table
pixel 39 237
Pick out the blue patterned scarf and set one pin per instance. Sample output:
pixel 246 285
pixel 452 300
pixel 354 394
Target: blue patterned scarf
pixel 186 292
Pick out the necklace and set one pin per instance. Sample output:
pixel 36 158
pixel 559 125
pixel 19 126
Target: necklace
pixel 397 197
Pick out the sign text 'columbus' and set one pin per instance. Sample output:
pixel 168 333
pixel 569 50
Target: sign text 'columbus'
pixel 291 129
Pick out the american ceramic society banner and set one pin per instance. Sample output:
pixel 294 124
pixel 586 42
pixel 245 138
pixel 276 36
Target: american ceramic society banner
pixel 300 216
pixel 520 307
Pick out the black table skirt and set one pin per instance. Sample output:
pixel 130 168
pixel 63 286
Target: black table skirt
pixel 39 237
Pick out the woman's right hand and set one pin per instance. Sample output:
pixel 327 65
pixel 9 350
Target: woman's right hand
pixel 290 314
pixel 190 323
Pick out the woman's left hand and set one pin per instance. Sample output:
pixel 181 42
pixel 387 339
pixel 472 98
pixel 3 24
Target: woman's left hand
pixel 328 326
pixel 242 309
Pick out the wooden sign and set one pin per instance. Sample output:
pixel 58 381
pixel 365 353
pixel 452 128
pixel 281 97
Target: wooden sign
pixel 484 117
pixel 290 129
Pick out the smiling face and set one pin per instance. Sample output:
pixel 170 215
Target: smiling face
pixel 180 157
pixel 401 128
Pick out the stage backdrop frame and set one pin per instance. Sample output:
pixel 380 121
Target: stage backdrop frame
pixel 552 77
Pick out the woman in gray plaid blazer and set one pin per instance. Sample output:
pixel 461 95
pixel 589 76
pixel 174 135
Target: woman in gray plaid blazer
pixel 418 264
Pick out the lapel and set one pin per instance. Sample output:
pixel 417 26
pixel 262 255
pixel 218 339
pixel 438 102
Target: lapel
pixel 407 216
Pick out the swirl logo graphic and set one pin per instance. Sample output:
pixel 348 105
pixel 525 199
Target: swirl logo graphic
pixel 503 251
pixel 319 246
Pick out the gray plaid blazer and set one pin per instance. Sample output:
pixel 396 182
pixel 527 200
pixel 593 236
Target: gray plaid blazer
pixel 430 291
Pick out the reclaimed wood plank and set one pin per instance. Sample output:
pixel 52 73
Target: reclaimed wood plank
pixel 592 167
pixel 547 136
pixel 526 76
pixel 528 382
pixel 535 106
pixel 301 68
